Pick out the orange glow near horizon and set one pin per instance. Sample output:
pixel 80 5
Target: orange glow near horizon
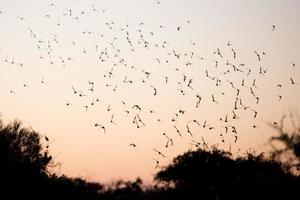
pixel 52 46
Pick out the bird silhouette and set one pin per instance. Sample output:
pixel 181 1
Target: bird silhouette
pixel 100 126
pixel 156 163
pixel 257 54
pixel 177 130
pixel 292 81
pixel 132 144
pixel 159 153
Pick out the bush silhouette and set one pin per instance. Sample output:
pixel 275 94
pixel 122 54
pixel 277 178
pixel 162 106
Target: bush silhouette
pixel 23 169
pixel 290 152
pixel 21 157
pixel 214 174
pixel 205 173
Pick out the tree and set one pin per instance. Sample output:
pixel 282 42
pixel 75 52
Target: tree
pixel 21 151
pixel 23 161
pixel 290 151
pixel 24 174
pixel 215 174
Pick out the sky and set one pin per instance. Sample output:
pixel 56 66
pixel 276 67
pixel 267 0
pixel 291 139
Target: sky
pixel 104 51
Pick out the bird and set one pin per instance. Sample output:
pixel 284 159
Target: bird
pixel 177 55
pixel 43 80
pixel 235 138
pixel 216 63
pixel 81 94
pixel 111 120
pixel 205 124
pixel 132 144
pixel 138 122
pixel 159 153
pixel 226 129
pixel 156 162
pixel 243 83
pixel 234 115
pixel 198 101
pixel 92 88
pixel 213 99
pixel 136 107
pixel 195 143
pixel 189 84
pixel 181 111
pixel 205 145
pixel 101 127
pixel 194 121
pixel 166 79
pixel 108 108
pixel 155 90
pixel 292 81
pixel 74 91
pixel 218 52
pixel 254 83
pixel 234 53
pixel 232 85
pixel 226 118
pixel 188 130
pixel 12 91
pixel 237 92
pixel 279 86
pixel 257 54
pixel 177 130
pixel 169 140
pixel 255 113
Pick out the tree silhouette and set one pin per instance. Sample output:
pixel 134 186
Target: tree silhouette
pixel 20 148
pixel 290 152
pixel 23 161
pixel 23 169
pixel 215 174
pixel 205 173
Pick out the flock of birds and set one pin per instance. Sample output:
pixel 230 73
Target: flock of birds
pixel 110 49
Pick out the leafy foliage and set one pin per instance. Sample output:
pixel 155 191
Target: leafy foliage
pixel 24 166
pixel 21 149
pixel 215 173
pixel 205 173
pixel 290 152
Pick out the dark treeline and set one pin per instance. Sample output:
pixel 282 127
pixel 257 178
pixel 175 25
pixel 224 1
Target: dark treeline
pixel 205 173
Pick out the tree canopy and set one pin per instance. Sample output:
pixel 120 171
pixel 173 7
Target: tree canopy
pixel 204 173
pixel 214 173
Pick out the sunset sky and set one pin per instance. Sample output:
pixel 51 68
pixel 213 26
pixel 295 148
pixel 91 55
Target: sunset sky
pixel 52 46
